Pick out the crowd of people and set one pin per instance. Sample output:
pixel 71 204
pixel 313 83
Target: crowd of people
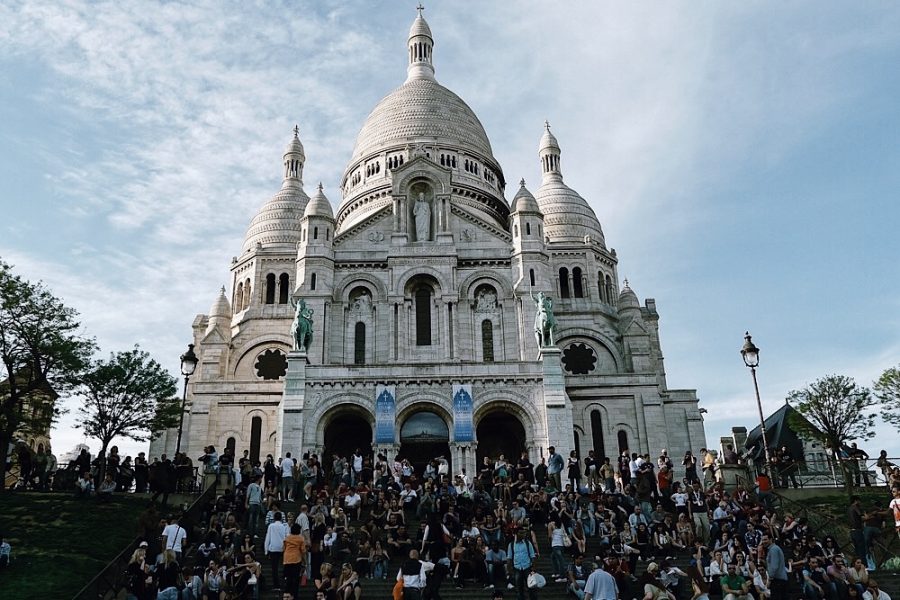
pixel 305 529
pixel 321 528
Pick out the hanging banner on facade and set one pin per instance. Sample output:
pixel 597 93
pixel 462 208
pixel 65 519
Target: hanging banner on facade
pixel 462 413
pixel 385 413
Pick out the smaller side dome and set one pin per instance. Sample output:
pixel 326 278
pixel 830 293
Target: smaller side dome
pixel 221 307
pixel 627 298
pixel 524 201
pixel 319 206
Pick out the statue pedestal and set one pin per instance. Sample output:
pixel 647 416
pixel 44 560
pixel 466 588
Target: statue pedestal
pixel 557 406
pixel 289 435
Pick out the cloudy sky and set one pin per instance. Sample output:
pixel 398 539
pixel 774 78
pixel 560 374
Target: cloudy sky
pixel 743 158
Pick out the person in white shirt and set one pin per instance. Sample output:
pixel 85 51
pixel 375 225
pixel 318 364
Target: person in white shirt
pixel 274 546
pixel 174 537
pixel 357 466
pixel 873 593
pixel 352 502
pixel 287 477
pixel 409 497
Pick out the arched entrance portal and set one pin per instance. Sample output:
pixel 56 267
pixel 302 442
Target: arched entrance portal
pixel 343 435
pixel 499 433
pixel 423 437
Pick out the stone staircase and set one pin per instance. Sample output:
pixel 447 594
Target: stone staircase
pixel 378 589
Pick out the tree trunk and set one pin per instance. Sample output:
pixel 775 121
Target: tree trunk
pixel 4 454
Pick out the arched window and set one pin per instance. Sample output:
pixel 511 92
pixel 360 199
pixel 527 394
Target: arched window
pixel 600 291
pixel 623 441
pixel 597 434
pixel 577 444
pixel 312 281
pixel 610 290
pixel 315 233
pixel 487 340
pixel 423 316
pixel 527 228
pixel 239 296
pixel 576 283
pixel 515 231
pixel 231 444
pixel 359 344
pixel 284 284
pixel 531 276
pixel 564 283
pixel 255 437
pixel 247 290
pixel 327 233
pixel 270 288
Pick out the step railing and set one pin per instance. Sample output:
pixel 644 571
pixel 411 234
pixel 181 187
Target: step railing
pixel 111 580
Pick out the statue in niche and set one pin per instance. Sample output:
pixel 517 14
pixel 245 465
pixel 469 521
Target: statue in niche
pixel 422 214
pixel 544 321
pixel 362 303
pixel 301 328
pixel 486 301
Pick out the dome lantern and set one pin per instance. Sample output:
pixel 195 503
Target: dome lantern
pixel 420 46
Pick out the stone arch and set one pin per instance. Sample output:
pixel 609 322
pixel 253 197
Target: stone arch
pixel 595 339
pixel 413 402
pixel 247 422
pixel 439 179
pixel 470 284
pixel 443 285
pixel 345 285
pixel 633 440
pixel 244 365
pixel 515 404
pixel 329 408
pixel 231 433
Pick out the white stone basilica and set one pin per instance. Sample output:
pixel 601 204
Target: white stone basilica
pixel 421 288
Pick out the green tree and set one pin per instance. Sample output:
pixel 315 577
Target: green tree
pixel 887 389
pixel 42 353
pixel 130 395
pixel 836 410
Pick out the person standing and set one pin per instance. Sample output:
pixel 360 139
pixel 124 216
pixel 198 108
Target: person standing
pixel 294 558
pixel 274 547
pixel 600 585
pixel 414 573
pixel 254 505
pixel 775 565
pixel 287 477
pixel 141 473
pixel 519 556
pixel 555 466
pixel 574 472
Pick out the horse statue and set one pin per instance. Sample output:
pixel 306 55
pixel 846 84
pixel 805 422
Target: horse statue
pixel 301 328
pixel 544 321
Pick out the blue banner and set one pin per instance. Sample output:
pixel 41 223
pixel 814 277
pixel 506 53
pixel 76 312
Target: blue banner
pixel 462 413
pixel 385 414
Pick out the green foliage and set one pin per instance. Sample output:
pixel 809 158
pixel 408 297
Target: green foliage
pixel 835 410
pixel 59 542
pixel 129 395
pixel 42 354
pixel 887 389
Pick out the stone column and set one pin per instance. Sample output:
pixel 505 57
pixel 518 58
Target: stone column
pixel 557 406
pixel 289 434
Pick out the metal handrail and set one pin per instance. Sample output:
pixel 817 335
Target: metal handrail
pixel 111 580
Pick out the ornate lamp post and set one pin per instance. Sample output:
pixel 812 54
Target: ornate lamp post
pixel 750 354
pixel 188 364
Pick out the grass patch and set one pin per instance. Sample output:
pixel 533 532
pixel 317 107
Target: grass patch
pixel 59 542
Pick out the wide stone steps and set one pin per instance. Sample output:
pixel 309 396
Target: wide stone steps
pixel 381 589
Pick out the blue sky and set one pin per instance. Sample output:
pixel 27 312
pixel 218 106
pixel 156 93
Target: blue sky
pixel 743 158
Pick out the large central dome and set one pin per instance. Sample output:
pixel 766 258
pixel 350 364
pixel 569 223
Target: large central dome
pixel 422 110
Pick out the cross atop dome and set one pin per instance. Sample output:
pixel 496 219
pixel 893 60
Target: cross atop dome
pixel 420 8
pixel 296 132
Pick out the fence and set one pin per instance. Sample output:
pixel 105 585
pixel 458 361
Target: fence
pixel 831 473
pixel 111 580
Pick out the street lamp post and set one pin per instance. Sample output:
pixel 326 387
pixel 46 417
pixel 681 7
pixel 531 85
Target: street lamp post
pixel 750 354
pixel 188 364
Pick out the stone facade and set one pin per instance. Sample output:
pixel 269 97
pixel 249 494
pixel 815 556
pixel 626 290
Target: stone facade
pixel 423 280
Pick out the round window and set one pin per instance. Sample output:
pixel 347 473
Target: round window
pixel 271 364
